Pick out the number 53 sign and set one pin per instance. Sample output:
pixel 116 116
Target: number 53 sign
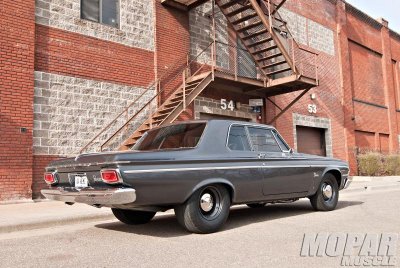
pixel 312 108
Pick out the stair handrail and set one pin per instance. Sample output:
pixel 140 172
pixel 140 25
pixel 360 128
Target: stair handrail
pixel 295 43
pixel 125 110
pixel 160 91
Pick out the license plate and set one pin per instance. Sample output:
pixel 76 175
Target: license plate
pixel 81 181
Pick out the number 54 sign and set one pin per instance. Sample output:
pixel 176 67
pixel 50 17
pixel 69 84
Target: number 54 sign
pixel 225 105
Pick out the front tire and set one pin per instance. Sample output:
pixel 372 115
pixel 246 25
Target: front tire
pixel 206 210
pixel 133 217
pixel 327 195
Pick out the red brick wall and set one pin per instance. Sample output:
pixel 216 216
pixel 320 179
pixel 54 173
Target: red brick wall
pixel 17 22
pixel 367 75
pixel 172 47
pixel 68 53
pixel 39 164
pixel 365 141
pixel 328 94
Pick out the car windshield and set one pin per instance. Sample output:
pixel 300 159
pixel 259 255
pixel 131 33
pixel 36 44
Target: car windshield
pixel 171 137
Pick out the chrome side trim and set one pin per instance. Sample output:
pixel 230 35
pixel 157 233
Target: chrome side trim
pixel 214 168
pixel 90 196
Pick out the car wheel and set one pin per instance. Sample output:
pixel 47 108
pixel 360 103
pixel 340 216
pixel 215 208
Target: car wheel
pixel 133 217
pixel 206 210
pixel 256 205
pixel 327 195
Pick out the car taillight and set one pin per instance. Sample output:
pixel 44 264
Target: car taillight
pixel 110 176
pixel 50 178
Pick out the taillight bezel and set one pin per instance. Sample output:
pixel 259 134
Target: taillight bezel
pixel 54 176
pixel 114 171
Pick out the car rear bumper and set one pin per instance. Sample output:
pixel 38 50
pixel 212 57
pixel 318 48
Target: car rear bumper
pixel 90 196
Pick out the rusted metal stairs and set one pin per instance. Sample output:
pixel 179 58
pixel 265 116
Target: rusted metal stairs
pixel 172 107
pixel 253 23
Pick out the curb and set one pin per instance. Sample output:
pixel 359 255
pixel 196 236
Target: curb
pixel 371 188
pixel 53 223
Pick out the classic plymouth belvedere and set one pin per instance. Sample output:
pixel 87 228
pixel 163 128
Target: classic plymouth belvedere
pixel 200 169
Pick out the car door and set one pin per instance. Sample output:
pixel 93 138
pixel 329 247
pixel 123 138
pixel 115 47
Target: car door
pixel 281 174
pixel 247 173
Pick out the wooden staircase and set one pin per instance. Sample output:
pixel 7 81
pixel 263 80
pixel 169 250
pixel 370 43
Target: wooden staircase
pixel 172 107
pixel 254 25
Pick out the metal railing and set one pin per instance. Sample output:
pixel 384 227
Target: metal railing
pixel 127 121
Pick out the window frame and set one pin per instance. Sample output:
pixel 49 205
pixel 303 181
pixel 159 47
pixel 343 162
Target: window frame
pixel 118 19
pixel 247 137
pixel 174 149
pixel 274 132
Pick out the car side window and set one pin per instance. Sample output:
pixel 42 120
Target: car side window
pixel 237 140
pixel 263 140
pixel 281 142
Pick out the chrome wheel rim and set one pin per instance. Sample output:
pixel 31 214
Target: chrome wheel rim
pixel 210 203
pixel 327 191
pixel 206 202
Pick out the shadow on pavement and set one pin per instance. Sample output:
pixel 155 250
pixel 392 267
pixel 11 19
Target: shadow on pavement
pixel 167 225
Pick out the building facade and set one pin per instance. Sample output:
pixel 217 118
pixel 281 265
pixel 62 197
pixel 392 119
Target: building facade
pixel 70 68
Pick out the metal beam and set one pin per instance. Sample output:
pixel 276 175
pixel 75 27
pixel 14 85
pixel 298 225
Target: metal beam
pixel 289 106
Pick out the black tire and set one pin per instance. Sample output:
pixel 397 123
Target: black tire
pixel 321 201
pixel 256 205
pixel 206 210
pixel 133 217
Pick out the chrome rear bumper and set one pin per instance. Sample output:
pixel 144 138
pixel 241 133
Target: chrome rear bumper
pixel 90 196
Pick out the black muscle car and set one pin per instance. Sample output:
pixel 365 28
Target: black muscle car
pixel 200 169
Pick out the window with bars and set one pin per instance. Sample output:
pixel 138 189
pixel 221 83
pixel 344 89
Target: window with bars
pixel 101 11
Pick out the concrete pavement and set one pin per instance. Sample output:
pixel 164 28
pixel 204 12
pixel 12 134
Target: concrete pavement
pixel 266 237
pixel 35 215
pixel 18 217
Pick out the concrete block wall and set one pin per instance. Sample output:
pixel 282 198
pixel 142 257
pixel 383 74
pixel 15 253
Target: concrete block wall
pixel 70 111
pixel 200 29
pixel 136 27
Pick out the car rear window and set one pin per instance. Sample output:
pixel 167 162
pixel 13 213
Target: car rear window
pixel 171 137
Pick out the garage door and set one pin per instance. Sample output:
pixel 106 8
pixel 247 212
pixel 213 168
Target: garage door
pixel 217 116
pixel 311 140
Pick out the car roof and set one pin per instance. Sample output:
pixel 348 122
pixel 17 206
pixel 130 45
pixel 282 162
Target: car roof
pixel 219 121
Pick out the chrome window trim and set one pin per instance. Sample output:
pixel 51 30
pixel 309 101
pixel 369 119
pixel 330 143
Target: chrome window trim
pixel 272 132
pixel 218 168
pixel 247 137
pixel 277 135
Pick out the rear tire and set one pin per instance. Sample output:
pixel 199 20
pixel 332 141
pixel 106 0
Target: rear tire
pixel 206 210
pixel 133 217
pixel 327 195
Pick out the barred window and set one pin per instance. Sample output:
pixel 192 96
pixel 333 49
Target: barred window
pixel 102 11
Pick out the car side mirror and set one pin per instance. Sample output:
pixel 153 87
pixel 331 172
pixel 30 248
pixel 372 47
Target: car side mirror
pixel 291 151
